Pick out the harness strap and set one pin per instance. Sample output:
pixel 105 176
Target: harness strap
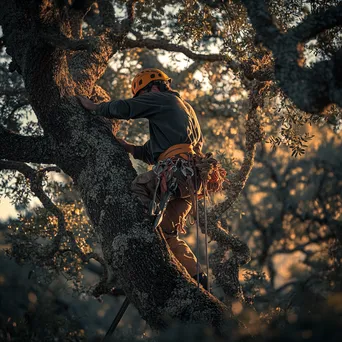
pixel 153 205
pixel 172 186
pixel 181 150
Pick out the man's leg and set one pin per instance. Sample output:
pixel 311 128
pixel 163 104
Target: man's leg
pixel 173 220
pixel 144 186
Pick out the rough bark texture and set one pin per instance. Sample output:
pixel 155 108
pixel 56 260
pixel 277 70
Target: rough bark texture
pixel 83 148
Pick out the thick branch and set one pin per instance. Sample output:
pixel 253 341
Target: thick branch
pixel 66 43
pixel 316 23
pixel 107 12
pixel 87 67
pixel 213 3
pixel 126 24
pixel 262 22
pixel 226 270
pixel 164 44
pixel 26 148
pixel 35 179
pixel 311 89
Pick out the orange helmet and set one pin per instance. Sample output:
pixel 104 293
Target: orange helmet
pixel 144 77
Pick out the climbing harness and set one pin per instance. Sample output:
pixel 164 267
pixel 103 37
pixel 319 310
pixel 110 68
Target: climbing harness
pixel 167 184
pixel 184 151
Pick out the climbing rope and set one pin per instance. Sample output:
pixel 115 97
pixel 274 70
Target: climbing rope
pixel 211 172
pixel 206 232
pixel 212 175
pixel 195 207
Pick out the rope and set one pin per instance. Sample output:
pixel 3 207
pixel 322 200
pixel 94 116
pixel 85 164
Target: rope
pixel 116 320
pixel 206 232
pixel 211 171
pixel 197 227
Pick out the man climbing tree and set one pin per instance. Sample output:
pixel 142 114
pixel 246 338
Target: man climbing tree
pixel 175 137
pixel 174 146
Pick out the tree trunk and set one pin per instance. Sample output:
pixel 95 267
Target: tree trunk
pixel 139 258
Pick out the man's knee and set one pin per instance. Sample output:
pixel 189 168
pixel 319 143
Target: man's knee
pixel 175 215
pixel 183 253
pixel 143 187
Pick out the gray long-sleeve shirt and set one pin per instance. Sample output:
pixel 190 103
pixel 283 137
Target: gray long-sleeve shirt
pixel 171 121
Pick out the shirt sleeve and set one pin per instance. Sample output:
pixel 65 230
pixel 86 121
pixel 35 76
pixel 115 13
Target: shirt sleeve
pixel 142 106
pixel 143 153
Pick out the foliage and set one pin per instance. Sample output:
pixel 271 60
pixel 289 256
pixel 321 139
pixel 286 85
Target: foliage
pixel 31 236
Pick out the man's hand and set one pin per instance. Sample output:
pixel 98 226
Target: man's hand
pixel 86 103
pixel 128 147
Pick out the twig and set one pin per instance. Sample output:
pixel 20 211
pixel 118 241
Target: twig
pixel 164 44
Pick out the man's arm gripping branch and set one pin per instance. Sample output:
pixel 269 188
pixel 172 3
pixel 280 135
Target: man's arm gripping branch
pixel 129 148
pixel 90 105
pixel 87 104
